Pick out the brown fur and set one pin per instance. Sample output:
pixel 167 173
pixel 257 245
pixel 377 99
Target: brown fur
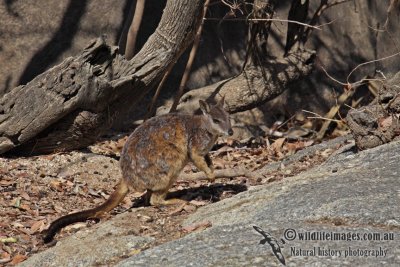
pixel 154 155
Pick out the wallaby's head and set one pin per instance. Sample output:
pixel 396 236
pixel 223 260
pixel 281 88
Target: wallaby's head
pixel 217 118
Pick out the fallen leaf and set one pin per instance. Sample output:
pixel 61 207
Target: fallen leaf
pixel 8 240
pixel 197 226
pixel 18 259
pixel 25 195
pixel 5 257
pixel 69 184
pixel 277 145
pixel 24 207
pixel 37 226
pixel 293 147
pixel 308 143
pixel 134 252
pixel 198 203
pixel 24 230
pixel 16 202
pixel 6 182
pixel 386 122
pixel 56 185
pixel 144 218
pixel 94 193
pixel 57 208
pixel 177 210
pixel 8 250
pixel 23 175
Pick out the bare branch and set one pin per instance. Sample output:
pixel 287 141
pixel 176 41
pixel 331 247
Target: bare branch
pixel 357 83
pixel 332 78
pixel 322 7
pixel 368 62
pixel 318 27
pixel 134 28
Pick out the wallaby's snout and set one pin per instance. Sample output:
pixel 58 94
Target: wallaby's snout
pixel 230 132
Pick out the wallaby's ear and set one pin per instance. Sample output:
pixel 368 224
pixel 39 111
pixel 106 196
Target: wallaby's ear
pixel 205 108
pixel 221 102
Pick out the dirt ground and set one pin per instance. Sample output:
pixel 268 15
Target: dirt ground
pixel 37 190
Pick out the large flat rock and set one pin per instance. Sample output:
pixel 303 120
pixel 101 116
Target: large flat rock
pixel 352 193
pixel 352 198
pixel 105 243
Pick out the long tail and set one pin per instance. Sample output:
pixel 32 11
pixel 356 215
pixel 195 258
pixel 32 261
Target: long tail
pixel 116 197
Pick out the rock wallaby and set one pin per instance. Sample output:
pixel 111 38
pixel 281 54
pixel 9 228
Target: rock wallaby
pixel 154 155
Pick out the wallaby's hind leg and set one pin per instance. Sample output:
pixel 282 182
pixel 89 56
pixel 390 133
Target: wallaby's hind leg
pixel 158 199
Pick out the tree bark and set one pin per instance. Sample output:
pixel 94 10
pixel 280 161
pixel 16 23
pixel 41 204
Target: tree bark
pixel 69 105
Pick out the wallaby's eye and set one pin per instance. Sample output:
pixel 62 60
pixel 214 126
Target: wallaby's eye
pixel 216 121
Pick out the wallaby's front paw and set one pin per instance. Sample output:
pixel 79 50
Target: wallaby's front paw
pixel 211 176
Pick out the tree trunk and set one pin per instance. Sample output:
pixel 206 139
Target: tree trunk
pixel 69 105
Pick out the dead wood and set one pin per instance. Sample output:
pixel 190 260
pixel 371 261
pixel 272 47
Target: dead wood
pixel 379 122
pixel 69 105
pixel 225 173
pixel 255 85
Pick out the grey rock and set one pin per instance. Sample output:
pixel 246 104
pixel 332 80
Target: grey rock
pixel 355 193
pixel 102 244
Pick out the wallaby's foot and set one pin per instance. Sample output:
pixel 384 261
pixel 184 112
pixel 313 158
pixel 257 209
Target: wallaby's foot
pixel 211 176
pixel 158 199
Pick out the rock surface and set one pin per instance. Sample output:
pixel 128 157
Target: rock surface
pixel 353 194
pixel 104 243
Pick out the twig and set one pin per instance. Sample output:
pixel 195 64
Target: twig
pixel 225 173
pixel 279 20
pixel 189 64
pixel 134 28
pixel 327 23
pixel 368 62
pixel 322 7
pixel 332 78
pixel 285 122
pixel 355 84
pixel 332 112
pixel 317 116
